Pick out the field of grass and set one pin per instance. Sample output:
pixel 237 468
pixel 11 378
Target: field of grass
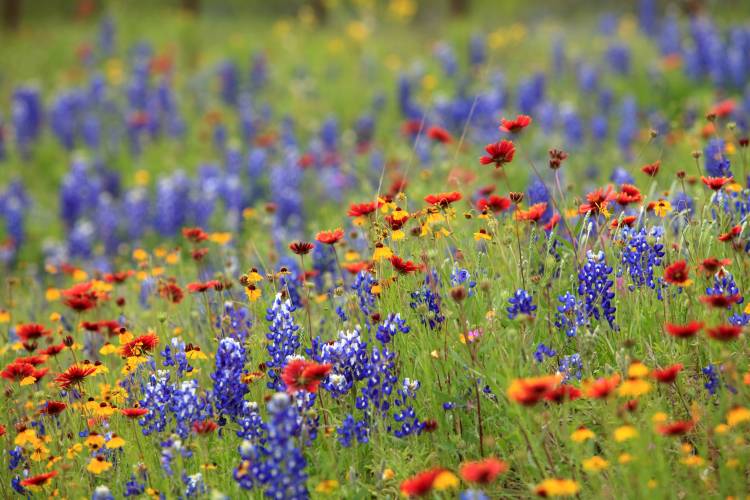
pixel 398 253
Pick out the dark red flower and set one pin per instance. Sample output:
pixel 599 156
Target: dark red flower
pixel 442 199
pixel 404 266
pixel 628 220
pixel 439 134
pixel 483 471
pixel 563 393
pixel 194 234
pixel 411 127
pixel 420 484
pixel 199 287
pixel 18 371
pixel 678 428
pixel 494 203
pixel 667 375
pixel 601 388
pixel 171 292
pixel 498 153
pixel 75 374
pixel 712 265
pixel 301 247
pixel 683 331
pixel 80 297
pixel 134 412
pixel 677 274
pixel 330 237
pixel 724 333
pixel 396 224
pixel 514 126
pixel 552 222
pixel 205 426
pixel 357 267
pixel 723 108
pixel 301 374
pixel 716 183
pixel 32 360
pixel 53 350
pixel 628 194
pixel 597 201
pixel 720 301
pixel 117 277
pixel 731 234
pixel 651 169
pixel 40 479
pixel 556 158
pixel 533 214
pixel 140 345
pixel 31 331
pixel 53 407
pixel 360 209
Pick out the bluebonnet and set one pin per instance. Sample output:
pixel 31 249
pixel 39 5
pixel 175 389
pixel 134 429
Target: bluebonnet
pixel 351 430
pixel 16 457
pixel 642 251
pixel 716 163
pixel 235 322
pixel 171 403
pixel 362 286
pixel 102 493
pixel 278 466
pixel 251 423
pixel 194 485
pixel 569 316
pixel 348 356
pixel 427 302
pixel 133 487
pixel 229 391
pixel 713 379
pixel 174 355
pixel 628 130
pixel 283 338
pixel 543 351
pixel 473 495
pixel 725 285
pixel 570 367
pixel 460 276
pixel 594 286
pixel 392 325
pixel 520 303
pixel 15 483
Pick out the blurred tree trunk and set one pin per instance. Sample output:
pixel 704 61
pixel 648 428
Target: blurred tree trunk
pixel 192 6
pixel 11 14
pixel 459 7
pixel 320 10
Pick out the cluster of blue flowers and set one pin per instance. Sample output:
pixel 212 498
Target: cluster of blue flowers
pixel 283 339
pixel 180 404
pixel 229 391
pixel 520 303
pixel 642 251
pixel 594 286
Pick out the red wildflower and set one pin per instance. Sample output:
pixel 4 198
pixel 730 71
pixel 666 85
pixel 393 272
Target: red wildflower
pixel 529 391
pixel 731 234
pixel 53 407
pixel 628 220
pixel 420 484
pixel 716 183
pixel 198 254
pixel 117 277
pixel 411 127
pixel 171 292
pixel 360 209
pixel 533 214
pixel 498 153
pixel 140 345
pixel 199 287
pixel 18 371
pixel 677 274
pixel 75 374
pixel 628 194
pixel 396 224
pixel 442 199
pixel 80 297
pixel 483 471
pixel 404 266
pixel 683 331
pixel 602 387
pixel 712 265
pixel 39 480
pixel 495 203
pixel 301 374
pixel 597 201
pixel 439 134
pixel 552 222
pixel 134 412
pixel 330 237
pixel 357 267
pixel 31 331
pixel 678 428
pixel 720 301
pixel 205 426
pixel 667 375
pixel 194 234
pixel 301 247
pixel 723 108
pixel 32 360
pixel 563 393
pixel 724 333
pixel 514 126
pixel 556 158
pixel 651 169
pixel 53 350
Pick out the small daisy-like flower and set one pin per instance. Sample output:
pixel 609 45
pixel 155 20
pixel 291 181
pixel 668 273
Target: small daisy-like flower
pixel 301 374
pixel 98 464
pixel 678 274
pixel 516 125
pixel 683 331
pixel 330 237
pixel 624 433
pixel 582 434
pixel 498 153
pixel 556 487
pixel 661 208
pixel 74 375
pixel 716 183
pixel 301 247
pixel 595 464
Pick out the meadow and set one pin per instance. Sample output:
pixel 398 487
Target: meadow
pixel 252 252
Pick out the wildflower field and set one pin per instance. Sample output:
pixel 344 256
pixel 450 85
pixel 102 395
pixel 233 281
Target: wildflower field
pixel 371 249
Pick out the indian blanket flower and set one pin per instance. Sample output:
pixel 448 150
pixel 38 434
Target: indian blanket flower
pixel 421 484
pixel 330 237
pixel 362 209
pixel 493 203
pixel 683 331
pixel 80 297
pixel 404 266
pixel 443 199
pixel 39 480
pixel 439 134
pixel 628 194
pixel 678 274
pixel 597 201
pixel 667 375
pixel 677 428
pixel 31 331
pixel 713 265
pixel 301 247
pixel 601 388
pixel 482 471
pixel 534 213
pixel 301 374
pixel 724 333
pixel 530 391
pixel 516 125
pixel 498 153
pixel 74 375
pixel 716 183
pixel 720 301
pixel 140 346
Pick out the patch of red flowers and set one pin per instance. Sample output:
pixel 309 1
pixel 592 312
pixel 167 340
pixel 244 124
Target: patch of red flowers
pixel 628 194
pixel 31 331
pixel 597 201
pixel 732 234
pixel 720 301
pixel 194 234
pixel 80 297
pixel 404 266
pixel 533 214
pixel 712 265
pixel 140 345
pixel 39 480
pixel 202 286
pixel 494 203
